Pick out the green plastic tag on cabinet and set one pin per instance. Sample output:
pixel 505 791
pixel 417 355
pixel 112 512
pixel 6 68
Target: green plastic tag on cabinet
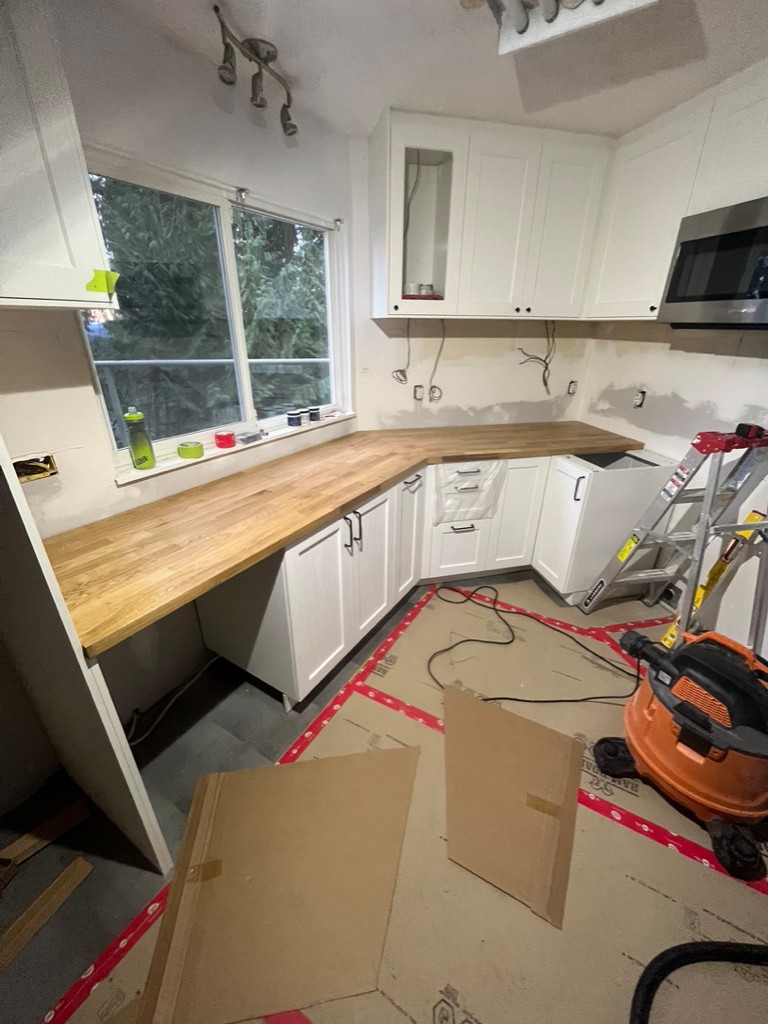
pixel 103 281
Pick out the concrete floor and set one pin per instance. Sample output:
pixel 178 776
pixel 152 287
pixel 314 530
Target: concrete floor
pixel 224 722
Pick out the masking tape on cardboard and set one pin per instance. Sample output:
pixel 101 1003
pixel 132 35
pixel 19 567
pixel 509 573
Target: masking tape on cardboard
pixel 103 281
pixel 538 803
pixel 190 450
pixel 204 872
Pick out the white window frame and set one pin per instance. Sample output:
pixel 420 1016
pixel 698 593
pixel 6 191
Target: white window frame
pixel 122 167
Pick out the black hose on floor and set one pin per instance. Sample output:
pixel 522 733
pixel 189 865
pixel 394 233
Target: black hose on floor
pixel 680 956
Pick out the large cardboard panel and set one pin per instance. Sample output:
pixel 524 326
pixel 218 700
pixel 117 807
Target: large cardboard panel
pixel 460 950
pixel 510 789
pixel 283 889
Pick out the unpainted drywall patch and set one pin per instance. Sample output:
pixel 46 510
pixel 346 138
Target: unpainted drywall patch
pixel 461 416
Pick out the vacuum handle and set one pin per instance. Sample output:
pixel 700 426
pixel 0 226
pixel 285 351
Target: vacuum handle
pixel 644 649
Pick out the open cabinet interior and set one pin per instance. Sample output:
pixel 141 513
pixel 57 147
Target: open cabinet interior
pixel 426 220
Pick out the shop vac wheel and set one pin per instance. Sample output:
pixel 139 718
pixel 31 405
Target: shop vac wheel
pixel 613 758
pixel 737 850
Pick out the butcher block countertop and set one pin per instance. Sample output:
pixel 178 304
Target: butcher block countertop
pixel 121 574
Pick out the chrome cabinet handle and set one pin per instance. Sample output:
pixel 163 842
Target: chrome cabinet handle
pixel 469 487
pixel 414 480
pixel 348 545
pixel 359 537
pixel 464 529
pixel 468 472
pixel 576 488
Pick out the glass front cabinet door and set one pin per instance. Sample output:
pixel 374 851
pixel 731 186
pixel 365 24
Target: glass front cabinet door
pixel 428 169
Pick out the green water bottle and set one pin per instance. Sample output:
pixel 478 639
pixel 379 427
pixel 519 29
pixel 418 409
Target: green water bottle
pixel 142 452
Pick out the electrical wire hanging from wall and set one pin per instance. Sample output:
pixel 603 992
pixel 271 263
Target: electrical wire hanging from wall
pixel 435 392
pixel 411 194
pixel 544 361
pixel 401 376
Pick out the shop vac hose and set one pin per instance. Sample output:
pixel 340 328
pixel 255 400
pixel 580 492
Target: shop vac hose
pixel 680 956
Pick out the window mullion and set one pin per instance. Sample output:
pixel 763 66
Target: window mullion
pixel 235 308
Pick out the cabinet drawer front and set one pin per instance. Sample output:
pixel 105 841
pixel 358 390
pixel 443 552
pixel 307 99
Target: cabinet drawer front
pixel 465 491
pixel 459 547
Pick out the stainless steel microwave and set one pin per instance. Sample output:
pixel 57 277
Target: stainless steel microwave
pixel 719 272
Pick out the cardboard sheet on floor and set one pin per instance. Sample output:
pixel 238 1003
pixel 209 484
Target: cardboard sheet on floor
pixel 282 890
pixel 511 789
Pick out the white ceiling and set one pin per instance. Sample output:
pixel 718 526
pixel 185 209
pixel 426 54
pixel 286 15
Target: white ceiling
pixel 351 59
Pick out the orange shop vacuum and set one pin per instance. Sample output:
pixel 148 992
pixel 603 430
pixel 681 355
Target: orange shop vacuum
pixel 697 730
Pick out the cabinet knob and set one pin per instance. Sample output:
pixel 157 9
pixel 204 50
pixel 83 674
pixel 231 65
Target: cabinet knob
pixel 527 309
pixel 517 309
pixel 653 308
pixel 396 308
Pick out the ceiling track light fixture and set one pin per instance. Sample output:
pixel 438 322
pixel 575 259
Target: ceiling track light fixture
pixel 262 53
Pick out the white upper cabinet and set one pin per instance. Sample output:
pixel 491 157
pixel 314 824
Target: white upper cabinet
pixel 734 161
pixel 647 195
pixel 568 196
pixel 428 169
pixel 51 250
pixel 500 198
pixel 485 220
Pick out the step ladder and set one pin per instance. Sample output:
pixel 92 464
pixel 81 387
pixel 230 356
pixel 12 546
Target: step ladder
pixel 681 553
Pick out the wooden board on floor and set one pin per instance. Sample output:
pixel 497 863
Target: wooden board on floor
pixel 29 923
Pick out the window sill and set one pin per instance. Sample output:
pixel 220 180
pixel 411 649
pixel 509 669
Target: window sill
pixel 125 475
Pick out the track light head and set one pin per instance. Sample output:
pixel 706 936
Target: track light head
pixel 289 128
pixel 228 67
pixel 258 99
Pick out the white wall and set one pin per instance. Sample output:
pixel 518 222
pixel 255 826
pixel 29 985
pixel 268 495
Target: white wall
pixel 695 380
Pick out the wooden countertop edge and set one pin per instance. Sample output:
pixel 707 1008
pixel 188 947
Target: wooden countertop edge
pixel 97 641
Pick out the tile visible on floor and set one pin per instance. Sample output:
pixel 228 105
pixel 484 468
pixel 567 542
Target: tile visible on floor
pixel 204 748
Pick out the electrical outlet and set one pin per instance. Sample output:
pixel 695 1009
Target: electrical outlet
pixel 572 385
pixel 639 399
pixel 418 392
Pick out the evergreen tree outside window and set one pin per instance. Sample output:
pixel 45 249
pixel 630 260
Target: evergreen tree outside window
pixel 281 272
pixel 175 349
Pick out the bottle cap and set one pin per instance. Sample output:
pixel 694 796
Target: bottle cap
pixel 133 414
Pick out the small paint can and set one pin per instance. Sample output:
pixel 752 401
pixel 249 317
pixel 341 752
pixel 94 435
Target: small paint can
pixel 314 414
pixel 224 438
pixel 294 418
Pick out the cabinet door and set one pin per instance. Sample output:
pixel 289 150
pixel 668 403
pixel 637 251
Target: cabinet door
pixel 734 161
pixel 50 240
pixel 428 169
pixel 565 496
pixel 567 201
pixel 649 186
pixel 514 526
pixel 317 584
pixel 408 533
pixel 369 568
pixel 498 217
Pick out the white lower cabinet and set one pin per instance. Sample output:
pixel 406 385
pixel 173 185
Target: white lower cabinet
pixel 496 534
pixel 290 619
pixel 590 505
pixel 408 534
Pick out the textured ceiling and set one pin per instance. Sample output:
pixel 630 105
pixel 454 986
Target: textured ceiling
pixel 351 59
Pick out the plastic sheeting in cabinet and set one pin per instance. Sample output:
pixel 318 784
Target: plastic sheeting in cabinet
pixel 467 490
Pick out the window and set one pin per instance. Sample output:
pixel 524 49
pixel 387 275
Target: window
pixel 182 349
pixel 281 272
